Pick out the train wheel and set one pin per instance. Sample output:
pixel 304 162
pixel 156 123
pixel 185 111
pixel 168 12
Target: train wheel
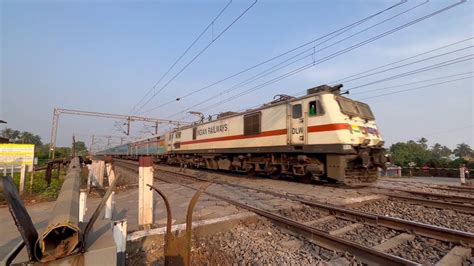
pixel 276 174
pixel 306 179
pixel 251 173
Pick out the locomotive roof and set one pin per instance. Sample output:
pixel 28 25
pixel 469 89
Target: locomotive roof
pixel 323 89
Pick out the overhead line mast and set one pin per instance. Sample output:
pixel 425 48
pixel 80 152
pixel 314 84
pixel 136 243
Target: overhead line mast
pixel 128 118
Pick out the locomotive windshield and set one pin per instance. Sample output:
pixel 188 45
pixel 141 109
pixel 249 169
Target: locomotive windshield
pixel 355 108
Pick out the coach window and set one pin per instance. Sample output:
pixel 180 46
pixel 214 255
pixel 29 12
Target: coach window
pixel 194 133
pixel 297 111
pixel 252 124
pixel 315 108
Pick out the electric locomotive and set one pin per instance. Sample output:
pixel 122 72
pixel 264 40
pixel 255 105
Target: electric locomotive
pixel 319 136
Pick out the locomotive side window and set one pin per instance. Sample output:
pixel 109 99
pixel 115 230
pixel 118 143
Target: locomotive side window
pixel 194 133
pixel 315 108
pixel 297 111
pixel 252 124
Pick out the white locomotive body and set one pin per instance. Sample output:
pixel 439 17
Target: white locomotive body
pixel 321 135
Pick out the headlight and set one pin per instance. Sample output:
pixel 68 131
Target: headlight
pixel 347 147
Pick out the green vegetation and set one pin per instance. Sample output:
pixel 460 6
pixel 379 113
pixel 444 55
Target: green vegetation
pixel 40 188
pixel 439 156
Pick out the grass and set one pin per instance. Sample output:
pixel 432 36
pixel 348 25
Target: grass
pixel 40 189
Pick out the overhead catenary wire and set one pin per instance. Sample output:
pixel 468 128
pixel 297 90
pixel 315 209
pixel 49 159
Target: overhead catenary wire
pixel 416 88
pixel 347 79
pixel 411 83
pixel 389 64
pixel 343 51
pixel 183 54
pixel 273 69
pixel 412 72
pixel 196 56
pixel 241 84
pixel 345 28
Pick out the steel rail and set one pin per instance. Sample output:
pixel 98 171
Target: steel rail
pixel 436 232
pixel 453 198
pixel 461 189
pixel 432 231
pixel 366 254
pixel 433 203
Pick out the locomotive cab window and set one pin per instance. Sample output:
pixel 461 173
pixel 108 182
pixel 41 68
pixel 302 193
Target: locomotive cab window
pixel 194 132
pixel 315 108
pixel 252 124
pixel 347 106
pixel 297 111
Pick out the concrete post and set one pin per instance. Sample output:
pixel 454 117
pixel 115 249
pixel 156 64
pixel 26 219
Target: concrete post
pixel 32 170
pixel 95 172
pixel 89 176
pixel 5 171
pixel 145 195
pixel 100 173
pixel 82 205
pixel 109 205
pixel 119 231
pixel 13 170
pixel 22 178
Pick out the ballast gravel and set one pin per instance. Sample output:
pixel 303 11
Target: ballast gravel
pixel 370 236
pixel 304 214
pixel 260 243
pixel 422 250
pixel 428 215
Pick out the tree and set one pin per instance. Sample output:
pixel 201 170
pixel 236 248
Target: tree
pixel 11 134
pixel 29 138
pixel 463 150
pixel 441 151
pixel 81 148
pixel 410 151
pixel 423 142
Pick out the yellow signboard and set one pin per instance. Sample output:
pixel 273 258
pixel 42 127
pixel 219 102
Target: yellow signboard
pixel 17 154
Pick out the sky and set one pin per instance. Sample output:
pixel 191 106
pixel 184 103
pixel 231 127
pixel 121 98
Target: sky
pixel 105 56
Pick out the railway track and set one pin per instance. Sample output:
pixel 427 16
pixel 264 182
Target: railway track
pixel 341 221
pixel 457 203
pixel 453 188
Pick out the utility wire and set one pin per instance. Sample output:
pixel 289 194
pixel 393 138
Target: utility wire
pixel 347 79
pixel 183 54
pixel 411 83
pixel 197 55
pixel 416 88
pixel 416 71
pixel 411 63
pixel 343 51
pixel 345 28
pixel 258 76
pixel 273 69
pixel 419 70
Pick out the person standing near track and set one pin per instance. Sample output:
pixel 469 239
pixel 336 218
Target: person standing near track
pixel 462 174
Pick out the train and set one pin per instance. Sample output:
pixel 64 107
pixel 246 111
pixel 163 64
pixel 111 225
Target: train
pixel 321 136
